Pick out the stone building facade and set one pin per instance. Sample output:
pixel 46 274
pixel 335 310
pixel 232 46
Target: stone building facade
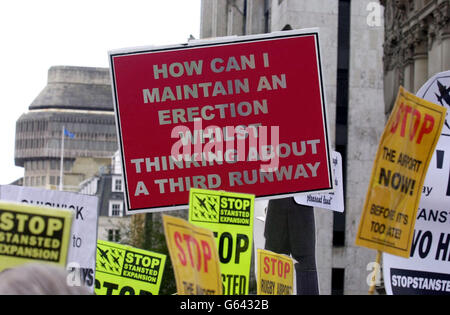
pixel 108 186
pixel 79 99
pixel 351 39
pixel 417 44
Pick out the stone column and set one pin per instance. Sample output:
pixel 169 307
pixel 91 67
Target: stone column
pixel 408 75
pixel 420 56
pixel 420 71
pixel 206 18
pixel 219 20
pixel 236 17
pixel 255 17
pixel 446 52
pixel 408 63
pixel 445 37
pixel 444 27
pixel 434 45
pixel 439 39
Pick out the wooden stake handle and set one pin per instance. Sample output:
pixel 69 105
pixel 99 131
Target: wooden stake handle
pixel 376 271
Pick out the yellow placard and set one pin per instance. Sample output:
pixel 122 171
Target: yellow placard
pixel 194 257
pixel 125 270
pixel 404 153
pixel 230 216
pixel 33 234
pixel 275 273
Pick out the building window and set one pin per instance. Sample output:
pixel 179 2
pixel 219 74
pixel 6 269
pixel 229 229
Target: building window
pixel 67 165
pixel 266 16
pixel 113 235
pixel 53 164
pixel 342 101
pixel 117 184
pixel 337 281
pixel 115 208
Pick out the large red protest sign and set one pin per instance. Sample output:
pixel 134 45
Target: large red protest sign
pixel 245 114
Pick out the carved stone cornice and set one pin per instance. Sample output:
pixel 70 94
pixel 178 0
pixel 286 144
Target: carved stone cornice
pixel 433 27
pixel 419 33
pixel 409 33
pixel 443 16
pixel 438 23
pixel 395 15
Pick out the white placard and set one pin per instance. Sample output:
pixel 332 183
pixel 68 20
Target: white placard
pixel 83 240
pixel 332 200
pixel 427 271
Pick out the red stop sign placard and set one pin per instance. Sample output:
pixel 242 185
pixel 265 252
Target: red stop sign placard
pixel 245 115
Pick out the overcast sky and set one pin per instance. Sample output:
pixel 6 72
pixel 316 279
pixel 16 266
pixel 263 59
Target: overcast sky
pixel 38 34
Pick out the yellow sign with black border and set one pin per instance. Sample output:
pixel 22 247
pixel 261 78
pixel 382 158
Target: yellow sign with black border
pixel 125 270
pixel 230 216
pixel 33 234
pixel 404 153
pixel 275 273
pixel 194 257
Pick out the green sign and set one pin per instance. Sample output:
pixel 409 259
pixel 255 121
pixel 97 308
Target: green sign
pixel 125 270
pixel 33 234
pixel 230 217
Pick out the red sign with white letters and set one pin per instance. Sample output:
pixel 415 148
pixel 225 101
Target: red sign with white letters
pixel 244 115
